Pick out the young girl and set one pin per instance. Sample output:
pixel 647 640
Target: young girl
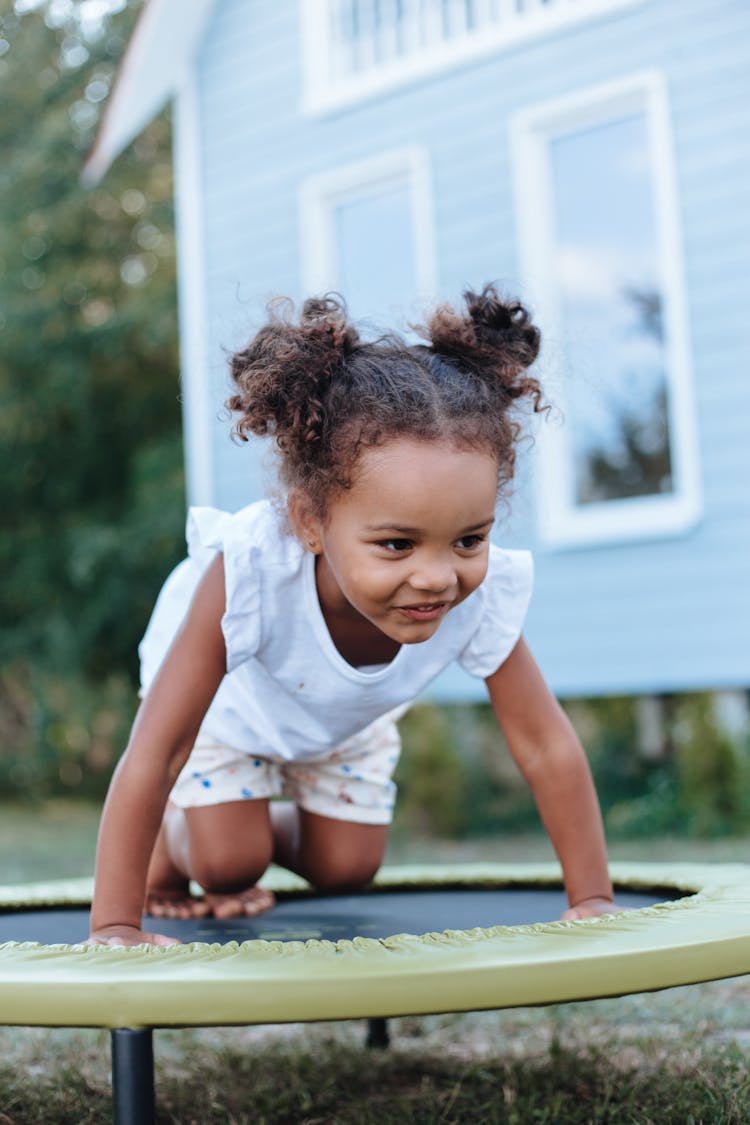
pixel 282 650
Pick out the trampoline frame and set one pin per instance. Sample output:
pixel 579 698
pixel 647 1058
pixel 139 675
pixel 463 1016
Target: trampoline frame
pixel 702 936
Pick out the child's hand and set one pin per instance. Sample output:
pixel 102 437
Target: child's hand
pixel 591 908
pixel 127 935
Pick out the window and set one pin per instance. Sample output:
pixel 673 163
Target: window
pixel 354 49
pixel 600 246
pixel 367 233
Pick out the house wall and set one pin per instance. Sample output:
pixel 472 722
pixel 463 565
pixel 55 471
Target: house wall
pixel 665 613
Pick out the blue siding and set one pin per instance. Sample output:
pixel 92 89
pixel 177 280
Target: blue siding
pixel 661 615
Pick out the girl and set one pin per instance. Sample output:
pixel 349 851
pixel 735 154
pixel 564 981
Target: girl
pixel 281 652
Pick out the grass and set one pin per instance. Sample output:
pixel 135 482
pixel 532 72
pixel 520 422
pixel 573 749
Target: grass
pixel 54 840
pixel 639 1060
pixel 678 1057
pixel 57 839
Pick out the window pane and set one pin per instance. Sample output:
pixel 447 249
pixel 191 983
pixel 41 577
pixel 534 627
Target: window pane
pixel 611 302
pixel 375 251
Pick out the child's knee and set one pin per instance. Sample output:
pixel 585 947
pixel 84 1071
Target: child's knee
pixel 224 872
pixel 229 845
pixel 336 874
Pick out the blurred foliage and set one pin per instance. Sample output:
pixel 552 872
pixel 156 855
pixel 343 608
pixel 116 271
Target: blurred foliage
pixel 60 732
pixel 713 771
pixel 90 445
pixel 456 778
pixel 700 786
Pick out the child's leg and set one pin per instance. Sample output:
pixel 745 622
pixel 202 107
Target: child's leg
pixel 167 886
pixel 335 832
pixel 229 846
pixel 332 854
pixel 217 831
pixel 224 847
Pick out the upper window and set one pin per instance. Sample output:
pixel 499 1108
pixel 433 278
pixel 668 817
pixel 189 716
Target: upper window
pixel 602 259
pixel 368 234
pixel 354 49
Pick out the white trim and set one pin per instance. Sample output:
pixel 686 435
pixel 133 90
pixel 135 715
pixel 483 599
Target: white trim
pixel 166 37
pixel 322 193
pixel 191 274
pixel 563 524
pixel 314 45
pixel 325 91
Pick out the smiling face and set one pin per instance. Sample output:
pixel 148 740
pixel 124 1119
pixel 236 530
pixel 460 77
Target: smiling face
pixel 407 542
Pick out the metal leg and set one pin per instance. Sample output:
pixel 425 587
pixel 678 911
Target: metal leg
pixel 133 1076
pixel 377 1033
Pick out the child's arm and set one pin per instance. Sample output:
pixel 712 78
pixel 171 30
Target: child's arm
pixel 163 736
pixel 548 753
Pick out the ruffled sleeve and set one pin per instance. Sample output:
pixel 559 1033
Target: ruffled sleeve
pixel 210 531
pixel 505 594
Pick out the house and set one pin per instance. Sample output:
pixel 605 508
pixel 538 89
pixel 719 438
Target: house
pixel 592 156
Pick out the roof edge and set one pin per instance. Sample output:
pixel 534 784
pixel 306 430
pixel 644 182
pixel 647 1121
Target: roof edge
pixel 160 51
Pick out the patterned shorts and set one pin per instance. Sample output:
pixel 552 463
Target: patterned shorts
pixel 353 782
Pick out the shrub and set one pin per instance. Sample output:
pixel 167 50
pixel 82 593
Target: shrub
pixel 59 733
pixel 456 778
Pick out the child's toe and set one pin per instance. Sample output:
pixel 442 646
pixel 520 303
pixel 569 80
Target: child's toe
pixel 180 906
pixel 247 903
pixel 198 908
pixel 258 902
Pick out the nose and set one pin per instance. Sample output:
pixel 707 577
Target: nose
pixel 434 574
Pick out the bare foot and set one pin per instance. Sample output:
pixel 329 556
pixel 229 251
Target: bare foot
pixel 255 900
pixel 167 887
pixel 162 902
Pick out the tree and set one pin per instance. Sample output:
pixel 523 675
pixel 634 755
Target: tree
pixel 90 449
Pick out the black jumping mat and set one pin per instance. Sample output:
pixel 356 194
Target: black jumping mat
pixel 373 914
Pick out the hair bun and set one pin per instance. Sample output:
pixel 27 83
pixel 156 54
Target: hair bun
pixel 327 315
pixel 509 320
pixel 495 339
pixel 281 377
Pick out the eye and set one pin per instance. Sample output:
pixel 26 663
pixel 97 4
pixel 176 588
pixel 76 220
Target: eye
pixel 470 542
pixel 395 546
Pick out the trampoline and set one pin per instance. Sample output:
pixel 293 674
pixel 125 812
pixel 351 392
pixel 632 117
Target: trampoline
pixel 421 940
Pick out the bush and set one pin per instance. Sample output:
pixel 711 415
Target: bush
pixel 59 733
pixel 712 770
pixel 700 785
pixel 456 778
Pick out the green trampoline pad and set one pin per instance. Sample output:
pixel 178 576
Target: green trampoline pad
pixel 429 939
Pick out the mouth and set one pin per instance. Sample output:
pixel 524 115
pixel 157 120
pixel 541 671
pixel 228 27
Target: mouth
pixel 424 611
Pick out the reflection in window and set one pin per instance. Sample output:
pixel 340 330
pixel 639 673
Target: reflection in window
pixel 606 264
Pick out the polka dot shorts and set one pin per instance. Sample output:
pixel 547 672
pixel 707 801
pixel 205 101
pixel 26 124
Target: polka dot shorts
pixel 353 782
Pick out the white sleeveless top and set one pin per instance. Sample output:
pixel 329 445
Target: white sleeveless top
pixel 288 691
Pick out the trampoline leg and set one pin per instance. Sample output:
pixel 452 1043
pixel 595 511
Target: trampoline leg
pixel 133 1076
pixel 377 1033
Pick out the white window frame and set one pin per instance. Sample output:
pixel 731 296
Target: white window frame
pixel 323 92
pixel 562 523
pixel 321 194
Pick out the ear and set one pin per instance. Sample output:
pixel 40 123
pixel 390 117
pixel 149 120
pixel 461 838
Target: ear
pixel 306 526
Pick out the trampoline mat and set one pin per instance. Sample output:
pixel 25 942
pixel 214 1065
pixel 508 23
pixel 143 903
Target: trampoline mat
pixel 374 914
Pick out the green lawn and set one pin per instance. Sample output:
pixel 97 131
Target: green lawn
pixel 57 840
pixel 50 841
pixel 673 1058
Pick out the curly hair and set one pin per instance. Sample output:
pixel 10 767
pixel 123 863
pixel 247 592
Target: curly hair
pixel 325 395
